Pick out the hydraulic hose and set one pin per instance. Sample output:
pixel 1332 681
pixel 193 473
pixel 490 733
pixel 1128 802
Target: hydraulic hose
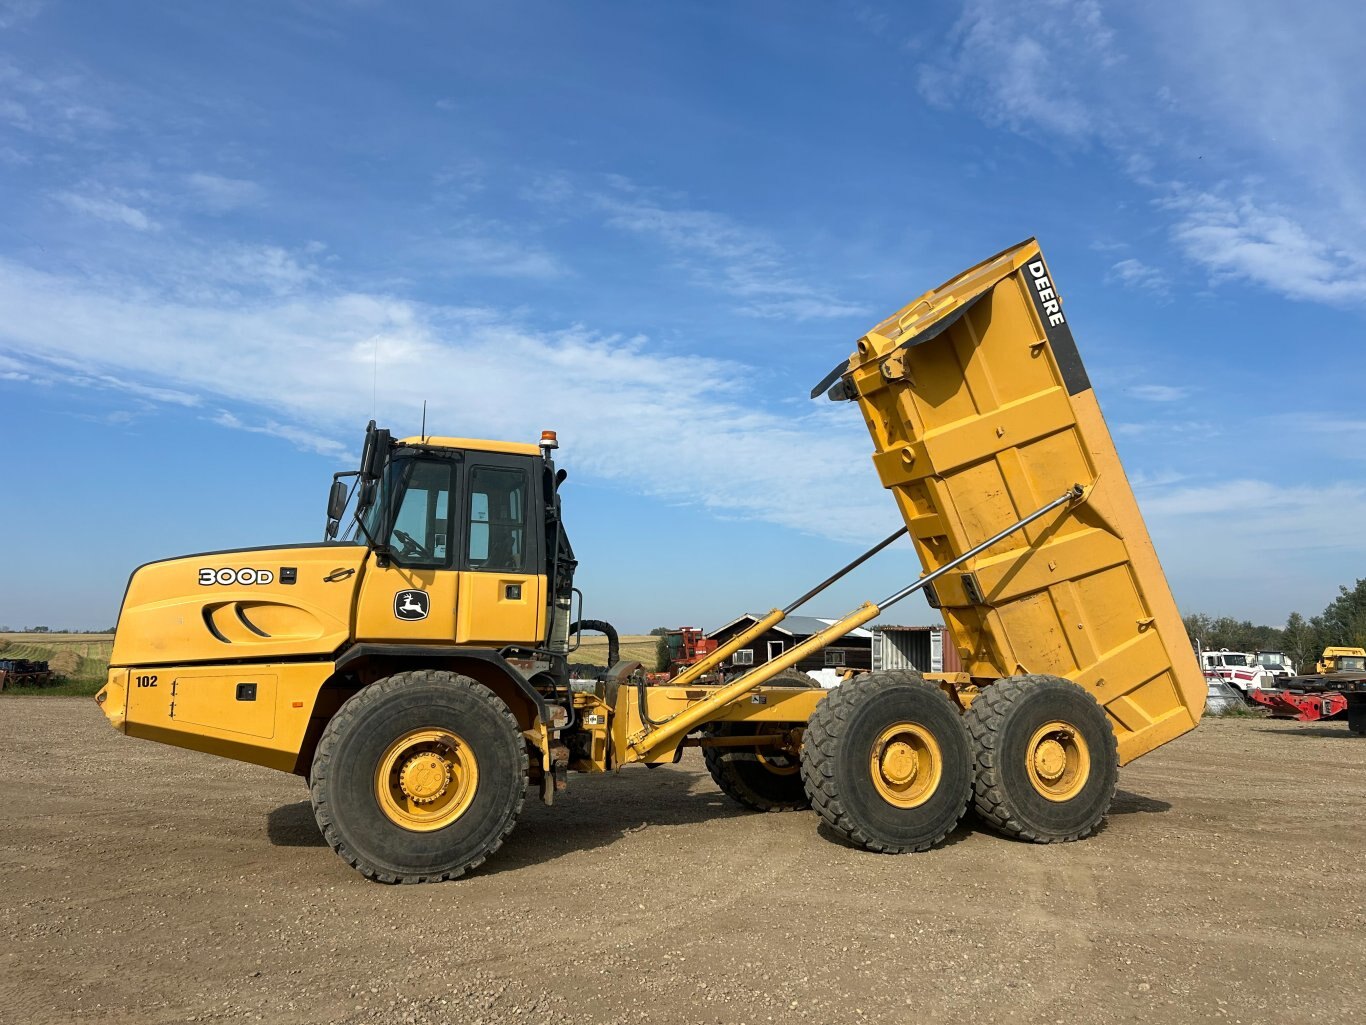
pixel 602 627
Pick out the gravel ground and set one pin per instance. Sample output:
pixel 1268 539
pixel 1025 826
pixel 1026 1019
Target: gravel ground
pixel 143 884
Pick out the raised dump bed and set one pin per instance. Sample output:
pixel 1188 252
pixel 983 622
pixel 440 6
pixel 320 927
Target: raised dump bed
pixel 980 411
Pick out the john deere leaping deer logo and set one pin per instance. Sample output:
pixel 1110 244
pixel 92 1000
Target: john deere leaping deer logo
pixel 411 605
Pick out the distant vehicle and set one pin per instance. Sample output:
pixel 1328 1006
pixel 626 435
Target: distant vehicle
pixel 1238 669
pixel 1277 663
pixel 1342 660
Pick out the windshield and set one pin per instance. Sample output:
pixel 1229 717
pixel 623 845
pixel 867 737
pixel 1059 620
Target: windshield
pixel 1271 658
pixel 1229 658
pixel 1351 664
pixel 410 512
pixel 372 516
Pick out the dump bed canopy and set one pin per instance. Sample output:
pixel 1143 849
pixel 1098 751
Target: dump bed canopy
pixel 980 411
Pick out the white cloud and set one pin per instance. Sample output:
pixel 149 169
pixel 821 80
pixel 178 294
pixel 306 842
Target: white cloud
pixel 1181 97
pixel 105 208
pixel 50 106
pixel 1241 240
pixel 1137 274
pixel 1159 392
pixel 302 367
pixel 721 252
pixel 480 247
pixel 1256 516
pixel 1005 61
pixel 309 441
pixel 14 12
pixel 219 194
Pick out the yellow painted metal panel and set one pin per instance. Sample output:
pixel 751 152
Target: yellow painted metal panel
pixel 196 707
pixel 202 699
pixel 980 412
pixel 488 612
pixel 386 588
pixel 239 605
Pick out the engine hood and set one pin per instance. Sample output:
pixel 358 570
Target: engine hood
pixel 244 604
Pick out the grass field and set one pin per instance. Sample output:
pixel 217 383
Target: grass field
pixel 79 661
pixel 634 648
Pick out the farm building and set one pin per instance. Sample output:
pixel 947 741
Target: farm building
pixel 882 647
pixel 853 650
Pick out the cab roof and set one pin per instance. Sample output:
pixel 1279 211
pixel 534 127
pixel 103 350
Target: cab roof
pixel 515 448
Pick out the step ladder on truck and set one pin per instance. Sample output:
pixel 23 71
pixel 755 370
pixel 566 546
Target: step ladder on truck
pixel 416 675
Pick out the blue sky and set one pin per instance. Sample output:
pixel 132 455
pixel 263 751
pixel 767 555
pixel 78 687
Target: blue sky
pixel 234 232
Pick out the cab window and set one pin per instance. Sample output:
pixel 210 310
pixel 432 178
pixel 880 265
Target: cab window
pixel 421 529
pixel 497 519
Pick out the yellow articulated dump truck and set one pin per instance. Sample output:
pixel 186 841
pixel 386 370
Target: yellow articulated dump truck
pixel 416 675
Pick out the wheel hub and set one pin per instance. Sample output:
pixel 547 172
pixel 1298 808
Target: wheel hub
pixel 1058 761
pixel 899 763
pixel 906 764
pixel 425 777
pixel 1050 759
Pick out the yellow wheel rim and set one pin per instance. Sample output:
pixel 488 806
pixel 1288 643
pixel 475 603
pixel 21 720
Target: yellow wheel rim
pixel 777 760
pixel 426 779
pixel 906 764
pixel 1058 761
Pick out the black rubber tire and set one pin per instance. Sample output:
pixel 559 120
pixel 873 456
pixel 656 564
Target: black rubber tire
pixel 348 754
pixel 743 776
pixel 838 745
pixel 1356 713
pixel 1001 721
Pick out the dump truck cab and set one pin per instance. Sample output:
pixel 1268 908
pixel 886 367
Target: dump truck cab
pixel 457 557
pixel 465 544
pixel 1338 659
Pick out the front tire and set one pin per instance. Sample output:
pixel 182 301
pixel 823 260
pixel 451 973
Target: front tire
pixel 887 763
pixel 419 777
pixel 1046 759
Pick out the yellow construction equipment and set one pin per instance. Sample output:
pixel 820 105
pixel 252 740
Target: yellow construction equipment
pixel 416 674
pixel 1337 659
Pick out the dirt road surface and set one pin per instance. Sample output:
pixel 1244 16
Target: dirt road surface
pixel 143 884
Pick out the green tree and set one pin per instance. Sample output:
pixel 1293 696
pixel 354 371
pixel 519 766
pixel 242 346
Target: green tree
pixel 1300 642
pixel 1344 620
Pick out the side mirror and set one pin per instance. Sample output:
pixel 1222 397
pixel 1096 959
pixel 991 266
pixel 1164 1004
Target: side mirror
pixel 336 501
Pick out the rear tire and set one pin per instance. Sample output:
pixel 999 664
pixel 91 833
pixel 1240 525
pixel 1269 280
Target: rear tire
pixel 886 762
pixel 1046 759
pixel 1356 713
pixel 419 777
pixel 759 778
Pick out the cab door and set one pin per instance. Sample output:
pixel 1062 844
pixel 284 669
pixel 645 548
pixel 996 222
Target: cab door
pixel 414 596
pixel 501 590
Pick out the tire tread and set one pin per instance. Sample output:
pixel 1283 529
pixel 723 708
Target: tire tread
pixel 341 723
pixel 819 746
pixel 985 720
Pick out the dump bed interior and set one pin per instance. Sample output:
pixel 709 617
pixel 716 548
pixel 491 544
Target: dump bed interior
pixel 981 412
